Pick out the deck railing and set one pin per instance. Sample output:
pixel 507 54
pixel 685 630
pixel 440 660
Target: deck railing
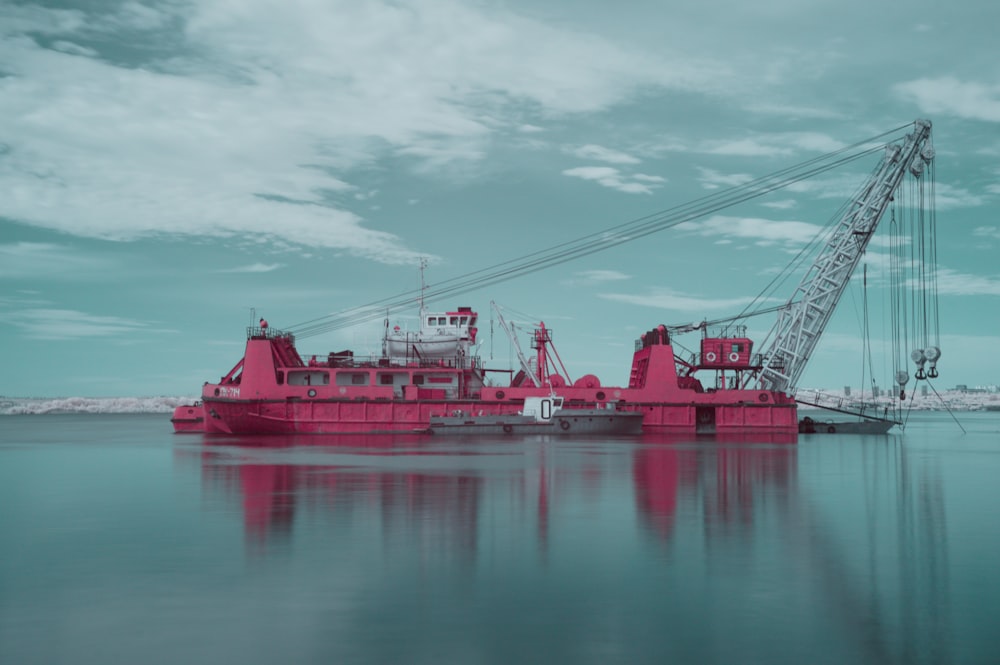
pixel 344 360
pixel 256 332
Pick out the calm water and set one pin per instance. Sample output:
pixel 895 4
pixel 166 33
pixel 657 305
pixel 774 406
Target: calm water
pixel 121 542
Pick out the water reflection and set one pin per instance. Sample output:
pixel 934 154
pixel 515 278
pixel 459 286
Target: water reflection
pixel 841 541
pixel 723 480
pixel 277 477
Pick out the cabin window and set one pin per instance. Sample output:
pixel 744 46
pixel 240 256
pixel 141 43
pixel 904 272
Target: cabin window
pixel 432 320
pixel 308 378
pixel 737 348
pixel 385 379
pixel 464 320
pixel 418 379
pixel 546 409
pixel 453 321
pixel 439 379
pixel 281 377
pixel 352 378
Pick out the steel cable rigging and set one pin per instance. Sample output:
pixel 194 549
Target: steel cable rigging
pixel 600 240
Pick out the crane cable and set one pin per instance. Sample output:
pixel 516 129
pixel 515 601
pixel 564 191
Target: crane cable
pixel 601 240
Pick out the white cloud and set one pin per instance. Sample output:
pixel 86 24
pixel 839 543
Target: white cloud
pixel 948 196
pixel 712 179
pixel 255 267
pixel 271 106
pixel 948 95
pixel 954 283
pixel 793 111
pixel 992 232
pixel 764 232
pixel 603 154
pixel 63 324
pixel 770 145
pixel 45 260
pixel 784 204
pixel 601 276
pixel 615 179
pixel 672 300
pixel 747 147
pixel 74 49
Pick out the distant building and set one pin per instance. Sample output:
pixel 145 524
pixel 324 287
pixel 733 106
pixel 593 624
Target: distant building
pixel 847 391
pixel 923 390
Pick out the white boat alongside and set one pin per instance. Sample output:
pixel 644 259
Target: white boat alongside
pixel 541 415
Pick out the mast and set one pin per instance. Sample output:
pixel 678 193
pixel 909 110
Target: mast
pixel 525 365
pixel 802 321
pixel 423 285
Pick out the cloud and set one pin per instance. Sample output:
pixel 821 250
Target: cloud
pixel 615 179
pixel 948 95
pixel 235 117
pixel 64 324
pixel 953 283
pixel 764 232
pixel 793 111
pixel 591 277
pixel 255 267
pixel 992 232
pixel 948 196
pixel 669 299
pixel 771 145
pixel 712 179
pixel 32 260
pixel 784 204
pixel 602 154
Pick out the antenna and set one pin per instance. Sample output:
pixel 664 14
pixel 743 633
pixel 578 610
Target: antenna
pixel 423 285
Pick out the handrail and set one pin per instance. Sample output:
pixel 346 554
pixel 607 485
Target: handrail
pixel 258 332
pixel 351 361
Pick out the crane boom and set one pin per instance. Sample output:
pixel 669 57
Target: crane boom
pixel 802 321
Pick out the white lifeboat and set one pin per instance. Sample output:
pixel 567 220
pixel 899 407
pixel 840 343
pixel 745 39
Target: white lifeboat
pixel 441 335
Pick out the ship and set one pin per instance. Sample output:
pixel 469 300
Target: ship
pixel 423 379
pixel 405 389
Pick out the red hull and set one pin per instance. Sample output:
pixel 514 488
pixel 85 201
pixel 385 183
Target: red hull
pixel 224 416
pixel 271 391
pixel 189 418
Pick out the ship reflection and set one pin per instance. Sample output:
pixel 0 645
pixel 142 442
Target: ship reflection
pixel 283 480
pixel 720 478
pixel 415 485
pixel 854 531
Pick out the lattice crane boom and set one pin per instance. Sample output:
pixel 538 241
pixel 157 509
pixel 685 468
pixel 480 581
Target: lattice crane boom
pixel 802 321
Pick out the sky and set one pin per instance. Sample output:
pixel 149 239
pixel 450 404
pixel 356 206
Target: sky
pixel 171 169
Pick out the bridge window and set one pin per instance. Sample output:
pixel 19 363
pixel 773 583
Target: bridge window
pixel 352 378
pixel 308 378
